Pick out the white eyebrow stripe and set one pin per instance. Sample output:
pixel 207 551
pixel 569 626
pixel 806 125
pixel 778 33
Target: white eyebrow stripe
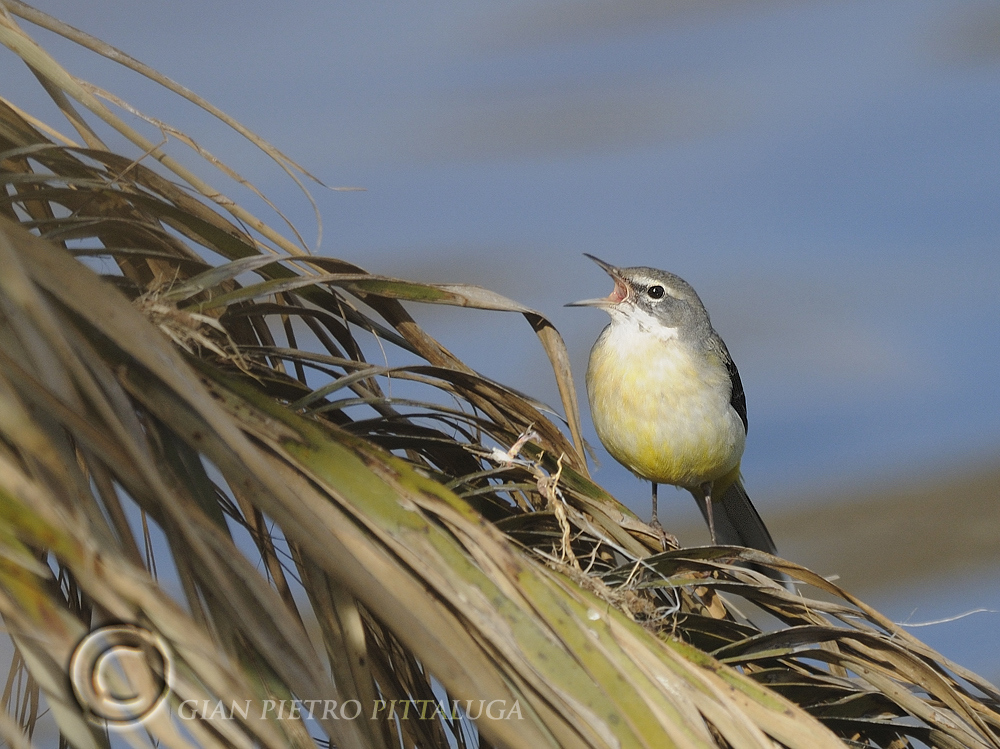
pixel 647 281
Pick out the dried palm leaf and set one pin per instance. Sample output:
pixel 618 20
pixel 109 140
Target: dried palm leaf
pixel 198 443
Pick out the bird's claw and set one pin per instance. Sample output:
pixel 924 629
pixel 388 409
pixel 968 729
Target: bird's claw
pixel 667 540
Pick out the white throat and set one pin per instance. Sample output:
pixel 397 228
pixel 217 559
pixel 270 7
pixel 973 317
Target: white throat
pixel 630 320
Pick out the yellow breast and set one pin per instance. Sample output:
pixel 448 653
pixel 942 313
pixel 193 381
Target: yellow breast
pixel 662 410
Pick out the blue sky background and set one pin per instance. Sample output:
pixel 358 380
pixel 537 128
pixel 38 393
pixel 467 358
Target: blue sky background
pixel 825 173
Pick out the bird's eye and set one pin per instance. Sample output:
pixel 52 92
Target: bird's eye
pixel 655 292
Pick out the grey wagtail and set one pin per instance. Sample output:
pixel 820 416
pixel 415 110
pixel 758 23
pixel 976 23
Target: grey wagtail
pixel 667 400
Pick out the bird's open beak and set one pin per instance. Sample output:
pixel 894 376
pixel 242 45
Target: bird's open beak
pixel 618 295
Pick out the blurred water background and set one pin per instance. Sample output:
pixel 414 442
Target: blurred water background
pixel 825 173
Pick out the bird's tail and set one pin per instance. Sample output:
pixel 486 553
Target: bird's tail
pixel 737 522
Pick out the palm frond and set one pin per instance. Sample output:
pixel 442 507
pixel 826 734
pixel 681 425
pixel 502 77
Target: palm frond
pixel 258 455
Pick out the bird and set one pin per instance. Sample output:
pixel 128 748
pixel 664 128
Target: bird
pixel 667 400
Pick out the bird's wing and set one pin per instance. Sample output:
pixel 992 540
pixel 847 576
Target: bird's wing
pixel 738 399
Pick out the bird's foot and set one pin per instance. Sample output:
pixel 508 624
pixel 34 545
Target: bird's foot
pixel 668 541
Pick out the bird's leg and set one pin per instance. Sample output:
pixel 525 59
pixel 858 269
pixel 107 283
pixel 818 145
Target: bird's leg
pixel 667 541
pixel 706 490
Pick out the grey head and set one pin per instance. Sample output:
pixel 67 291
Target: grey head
pixel 647 296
